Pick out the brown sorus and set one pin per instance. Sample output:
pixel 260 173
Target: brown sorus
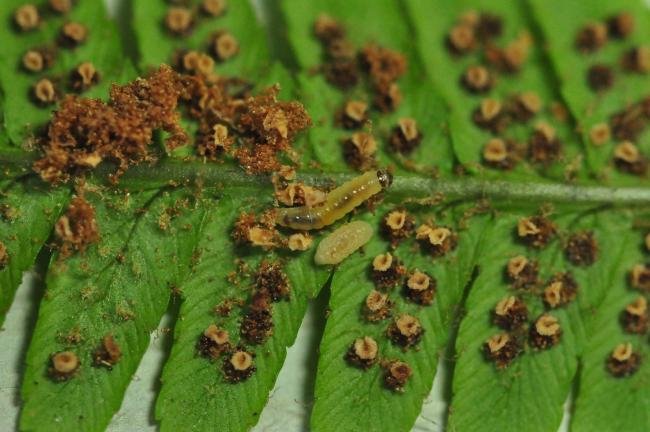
pixel 214 8
pixel 437 241
pixel 634 317
pixel 359 150
pixel 194 62
pixel 637 60
pixel 543 146
pixel 77 228
pixel 477 79
pixel 406 136
pixel 342 73
pixel 623 361
pixel 640 277
pixel 271 279
pixel 397 225
pixel 522 273
pixel 397 375
pixel 600 77
pixel 299 242
pixel 377 306
pixel 354 114
pixel 362 353
pixel 108 353
pixel 501 153
pixel 26 17
pixel 387 271
pixel 213 342
pixel 491 116
pixel 238 366
pixel 405 331
pixel 599 134
pixel 591 37
pixel 60 6
pixel 387 98
pixel 327 29
pixel 510 313
pixel 63 366
pixel 44 92
pixel 501 349
pixel 560 290
pixel 536 231
pixel 630 122
pixel 383 65
pixel 581 248
pixel 215 144
pixel 524 106
pixel 225 46
pixel 73 34
pixel 4 256
pixel 545 332
pixel 629 159
pixel 38 59
pixel 420 288
pixel 179 21
pixel 461 39
pixel 489 26
pixel 257 325
pixel 84 76
pixel 621 25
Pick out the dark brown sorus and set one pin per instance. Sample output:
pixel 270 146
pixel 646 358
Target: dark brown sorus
pixel 510 313
pixel 634 318
pixel 491 116
pixel 640 277
pixel 108 353
pixel 623 361
pixel 359 151
pixel 522 273
pixel 581 248
pixel 420 288
pixel 543 146
pixel 591 37
pixel 600 77
pixel 77 228
pixel 363 353
pixel 437 241
pixel 386 271
pixel 213 342
pixel 397 225
pixel 621 25
pixel 396 375
pixel 545 332
pixel 271 279
pixel 560 290
pixel 501 349
pixel 64 365
pixel 631 121
pixel 405 331
pixel 628 158
pixel 239 365
pixel 377 306
pixel 536 231
pixel 405 137
pixel 501 153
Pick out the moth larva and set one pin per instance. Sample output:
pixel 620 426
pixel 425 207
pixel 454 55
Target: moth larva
pixel 337 204
pixel 343 242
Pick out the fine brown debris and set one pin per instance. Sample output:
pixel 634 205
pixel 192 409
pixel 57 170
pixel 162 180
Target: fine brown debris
pixel 77 228
pixel 4 256
pixel 84 132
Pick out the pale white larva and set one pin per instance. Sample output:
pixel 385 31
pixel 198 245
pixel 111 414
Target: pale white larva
pixel 343 242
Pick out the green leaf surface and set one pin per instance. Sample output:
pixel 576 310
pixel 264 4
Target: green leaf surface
pixel 20 115
pixel 194 388
pixel 120 286
pixel 560 22
pixel 348 398
pixel 384 23
pixel 432 21
pixel 157 45
pixel 25 225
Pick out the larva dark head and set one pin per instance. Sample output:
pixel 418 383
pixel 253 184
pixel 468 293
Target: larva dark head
pixel 385 178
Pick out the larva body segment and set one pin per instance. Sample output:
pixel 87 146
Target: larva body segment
pixel 338 203
pixel 343 242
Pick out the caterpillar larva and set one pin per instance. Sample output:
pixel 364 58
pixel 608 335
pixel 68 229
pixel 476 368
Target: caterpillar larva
pixel 338 203
pixel 343 242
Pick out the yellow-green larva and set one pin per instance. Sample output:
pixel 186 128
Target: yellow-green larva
pixel 337 204
pixel 343 242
